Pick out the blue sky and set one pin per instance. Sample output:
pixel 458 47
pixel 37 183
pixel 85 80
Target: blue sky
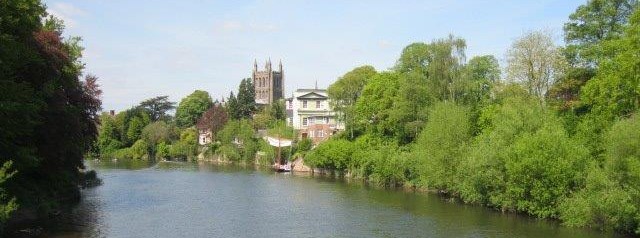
pixel 140 49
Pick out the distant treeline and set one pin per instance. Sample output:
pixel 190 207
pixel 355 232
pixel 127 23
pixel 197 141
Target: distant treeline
pixel 554 134
pixel 148 131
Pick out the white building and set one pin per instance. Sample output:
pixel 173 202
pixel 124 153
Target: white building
pixel 312 115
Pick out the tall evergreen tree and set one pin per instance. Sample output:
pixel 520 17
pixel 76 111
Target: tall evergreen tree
pixel 232 107
pixel 246 99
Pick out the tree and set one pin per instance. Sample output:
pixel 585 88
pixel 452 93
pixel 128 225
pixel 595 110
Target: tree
pixel 534 61
pixel 277 111
pixel 213 119
pixel 108 138
pixel 191 108
pixel 440 145
pixel 49 113
pixel 158 107
pixel 246 104
pixel 7 205
pixel 346 90
pixel 375 104
pixel 592 23
pixel 482 73
pixel 439 63
pixel 158 132
pixel 615 90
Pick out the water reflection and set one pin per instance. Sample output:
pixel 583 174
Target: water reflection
pixel 181 199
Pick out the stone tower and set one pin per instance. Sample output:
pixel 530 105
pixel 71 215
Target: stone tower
pixel 268 84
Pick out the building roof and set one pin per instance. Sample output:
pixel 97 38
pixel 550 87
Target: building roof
pixel 313 95
pixel 302 90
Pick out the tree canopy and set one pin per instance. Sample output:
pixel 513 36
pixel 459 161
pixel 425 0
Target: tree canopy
pixel 192 107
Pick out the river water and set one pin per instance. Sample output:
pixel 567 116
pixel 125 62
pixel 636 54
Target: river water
pixel 171 199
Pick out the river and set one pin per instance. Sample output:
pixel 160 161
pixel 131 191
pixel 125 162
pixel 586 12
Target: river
pixel 170 199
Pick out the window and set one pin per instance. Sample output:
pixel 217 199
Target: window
pixel 326 120
pixel 317 104
pixel 311 120
pixel 304 104
pixel 320 133
pixel 304 121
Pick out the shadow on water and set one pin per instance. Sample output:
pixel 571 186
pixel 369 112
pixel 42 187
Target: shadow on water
pixel 168 199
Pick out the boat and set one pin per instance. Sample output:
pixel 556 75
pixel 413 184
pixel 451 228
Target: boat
pixel 279 143
pixel 282 167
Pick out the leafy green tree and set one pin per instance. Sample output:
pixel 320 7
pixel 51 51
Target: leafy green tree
pixel 592 23
pixel 610 196
pixel 614 91
pixel 162 150
pixel 375 104
pixel 277 111
pixel 346 90
pixel 140 150
pixel 108 138
pixel 245 104
pixel 482 73
pixel 158 132
pixel 187 146
pixel 7 205
pixel 134 130
pixel 238 141
pixel 332 154
pixel 232 106
pixel 440 63
pixel 158 107
pixel 191 108
pixel 441 145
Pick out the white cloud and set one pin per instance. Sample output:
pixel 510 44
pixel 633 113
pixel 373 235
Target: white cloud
pixel 246 27
pixel 67 12
pixel 384 44
pixel 231 26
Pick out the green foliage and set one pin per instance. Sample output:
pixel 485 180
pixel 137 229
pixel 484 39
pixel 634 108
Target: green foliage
pixel 237 141
pixel 482 73
pixel 244 105
pixel 157 107
pixel 280 129
pixel 162 150
pixel 346 90
pixel 375 105
pixel 304 145
pixel 7 205
pixel 270 116
pixel 49 112
pixel 332 154
pixel 441 145
pixel 140 150
pixel 610 197
pixel 191 108
pixel 158 132
pixel 187 146
pixel 440 63
pixel 108 138
pixel 592 23
pixel 615 90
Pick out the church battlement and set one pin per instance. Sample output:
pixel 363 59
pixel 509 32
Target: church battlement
pixel 268 83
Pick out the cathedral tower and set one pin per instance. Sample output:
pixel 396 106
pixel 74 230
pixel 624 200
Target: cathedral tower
pixel 268 84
